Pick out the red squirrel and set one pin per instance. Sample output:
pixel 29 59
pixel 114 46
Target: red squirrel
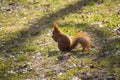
pixel 65 44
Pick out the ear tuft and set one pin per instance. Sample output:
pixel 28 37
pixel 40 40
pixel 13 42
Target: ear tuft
pixel 55 25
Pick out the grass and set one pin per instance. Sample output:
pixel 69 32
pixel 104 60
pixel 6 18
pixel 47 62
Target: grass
pixel 35 56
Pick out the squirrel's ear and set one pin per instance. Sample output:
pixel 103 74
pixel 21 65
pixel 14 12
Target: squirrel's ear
pixel 55 25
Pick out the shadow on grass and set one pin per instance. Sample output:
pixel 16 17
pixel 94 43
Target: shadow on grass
pixel 77 53
pixel 53 53
pixel 111 47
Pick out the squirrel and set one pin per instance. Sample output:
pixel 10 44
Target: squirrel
pixel 65 44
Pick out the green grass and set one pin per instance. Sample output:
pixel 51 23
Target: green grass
pixel 68 74
pixel 21 44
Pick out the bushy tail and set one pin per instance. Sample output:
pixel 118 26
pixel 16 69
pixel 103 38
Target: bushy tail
pixel 74 43
pixel 83 39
